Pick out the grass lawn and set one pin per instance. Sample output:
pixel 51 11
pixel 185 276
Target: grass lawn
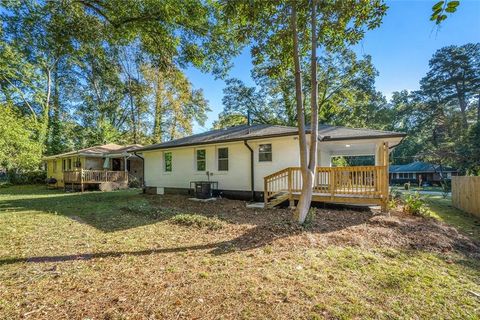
pixel 122 255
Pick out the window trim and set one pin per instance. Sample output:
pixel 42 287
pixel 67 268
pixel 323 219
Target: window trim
pixel 271 152
pixel 227 159
pixel 165 161
pixel 197 160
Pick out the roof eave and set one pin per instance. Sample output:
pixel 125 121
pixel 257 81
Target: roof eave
pixel 393 135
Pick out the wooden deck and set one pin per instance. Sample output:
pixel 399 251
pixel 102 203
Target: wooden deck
pixel 82 177
pixel 349 185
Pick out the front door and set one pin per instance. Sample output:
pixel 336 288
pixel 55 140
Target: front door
pixel 116 165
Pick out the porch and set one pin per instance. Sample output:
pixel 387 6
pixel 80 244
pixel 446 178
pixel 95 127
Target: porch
pixel 351 184
pixel 82 177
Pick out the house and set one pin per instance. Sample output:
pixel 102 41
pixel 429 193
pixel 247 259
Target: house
pixel 95 165
pixel 262 162
pixel 420 172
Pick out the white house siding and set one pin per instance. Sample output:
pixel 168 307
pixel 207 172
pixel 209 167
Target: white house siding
pixel 285 153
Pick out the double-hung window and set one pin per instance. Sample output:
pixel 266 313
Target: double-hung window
pixel 167 162
pixel 222 159
pixel 265 152
pixel 201 157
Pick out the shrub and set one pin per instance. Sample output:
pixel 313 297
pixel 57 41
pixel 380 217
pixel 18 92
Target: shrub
pixel 199 221
pixel 415 205
pixel 144 210
pixel 134 183
pixel 406 186
pixel 29 177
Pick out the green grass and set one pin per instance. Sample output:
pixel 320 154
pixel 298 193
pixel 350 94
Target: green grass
pixel 444 211
pixel 122 255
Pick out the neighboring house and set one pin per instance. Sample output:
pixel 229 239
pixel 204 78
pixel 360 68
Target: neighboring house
pixel 107 163
pixel 262 162
pixel 420 172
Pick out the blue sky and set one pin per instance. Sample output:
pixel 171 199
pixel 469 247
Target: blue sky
pixel 400 49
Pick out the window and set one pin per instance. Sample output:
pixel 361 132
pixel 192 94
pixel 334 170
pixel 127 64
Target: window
pixel 201 160
pixel 128 165
pixel 64 165
pixel 265 152
pixel 54 166
pixel 167 158
pixel 69 164
pixel 222 159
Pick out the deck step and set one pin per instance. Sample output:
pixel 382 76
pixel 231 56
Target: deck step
pixel 278 199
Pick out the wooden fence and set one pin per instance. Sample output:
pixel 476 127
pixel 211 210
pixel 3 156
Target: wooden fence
pixel 466 194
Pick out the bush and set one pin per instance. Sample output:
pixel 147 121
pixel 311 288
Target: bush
pixel 134 183
pixel 30 177
pixel 198 221
pixel 406 186
pixel 415 205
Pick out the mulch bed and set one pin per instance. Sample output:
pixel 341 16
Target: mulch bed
pixel 251 228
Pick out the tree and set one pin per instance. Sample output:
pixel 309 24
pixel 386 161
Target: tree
pixel 229 120
pixel 176 103
pixel 249 102
pixel 284 33
pixel 19 150
pixel 454 77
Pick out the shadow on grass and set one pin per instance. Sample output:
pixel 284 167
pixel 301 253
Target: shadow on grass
pixel 102 210
pixel 106 212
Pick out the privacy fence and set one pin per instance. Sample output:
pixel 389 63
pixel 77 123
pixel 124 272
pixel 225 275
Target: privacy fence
pixel 466 194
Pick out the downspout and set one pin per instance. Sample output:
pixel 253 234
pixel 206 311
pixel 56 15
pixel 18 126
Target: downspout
pixel 252 173
pixel 143 169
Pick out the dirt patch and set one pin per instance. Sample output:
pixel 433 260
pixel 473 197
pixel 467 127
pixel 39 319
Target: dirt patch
pixel 252 228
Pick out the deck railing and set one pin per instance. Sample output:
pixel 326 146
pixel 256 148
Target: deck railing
pixel 94 176
pixel 361 181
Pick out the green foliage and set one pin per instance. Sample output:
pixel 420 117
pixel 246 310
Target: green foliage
pixel 415 205
pixel 339 161
pixel 441 118
pixel 29 177
pixel 441 8
pixel 198 221
pixel 83 70
pixel 229 120
pixel 19 149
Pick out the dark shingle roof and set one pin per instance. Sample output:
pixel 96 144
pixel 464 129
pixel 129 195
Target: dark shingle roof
pixel 259 131
pixel 110 148
pixel 418 166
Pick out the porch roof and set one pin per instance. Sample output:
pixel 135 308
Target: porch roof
pixel 261 131
pixel 98 151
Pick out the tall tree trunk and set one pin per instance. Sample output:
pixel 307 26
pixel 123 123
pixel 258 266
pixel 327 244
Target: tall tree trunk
pixel 132 109
pixel 463 106
pixel 306 195
pixel 46 110
pixel 55 130
pixel 157 125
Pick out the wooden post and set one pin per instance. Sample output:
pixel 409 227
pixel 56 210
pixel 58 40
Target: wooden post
pixel 81 179
pixel 332 182
pixel 291 201
pixel 384 177
pixel 265 192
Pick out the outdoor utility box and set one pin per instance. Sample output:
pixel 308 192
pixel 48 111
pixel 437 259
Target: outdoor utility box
pixel 203 189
